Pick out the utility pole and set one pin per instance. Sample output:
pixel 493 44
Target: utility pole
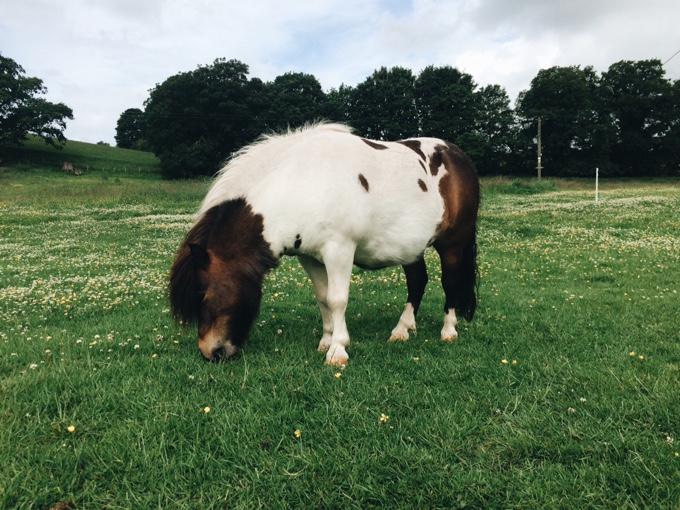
pixel 538 141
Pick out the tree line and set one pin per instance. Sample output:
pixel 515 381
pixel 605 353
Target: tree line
pixel 626 120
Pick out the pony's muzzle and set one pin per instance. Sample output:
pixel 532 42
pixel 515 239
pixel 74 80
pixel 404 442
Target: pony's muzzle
pixel 216 351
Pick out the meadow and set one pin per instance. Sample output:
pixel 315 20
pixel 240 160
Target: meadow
pixel 562 393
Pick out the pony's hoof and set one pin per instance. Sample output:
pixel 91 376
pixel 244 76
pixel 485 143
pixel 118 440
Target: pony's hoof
pixel 449 337
pixel 394 337
pixel 401 331
pixel 338 356
pixel 337 362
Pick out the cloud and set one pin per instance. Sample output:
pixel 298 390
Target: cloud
pixel 101 58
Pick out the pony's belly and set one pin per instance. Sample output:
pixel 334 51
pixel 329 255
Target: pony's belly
pixel 376 255
pixel 381 262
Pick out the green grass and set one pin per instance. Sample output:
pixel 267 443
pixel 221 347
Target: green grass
pixel 562 393
pixel 86 157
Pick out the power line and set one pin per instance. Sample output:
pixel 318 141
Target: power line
pixel 667 61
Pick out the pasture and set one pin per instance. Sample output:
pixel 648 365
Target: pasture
pixel 564 392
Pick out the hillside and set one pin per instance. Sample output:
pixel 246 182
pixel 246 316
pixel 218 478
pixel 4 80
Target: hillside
pixel 84 156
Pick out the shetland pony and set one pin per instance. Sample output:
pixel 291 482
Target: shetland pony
pixel 332 199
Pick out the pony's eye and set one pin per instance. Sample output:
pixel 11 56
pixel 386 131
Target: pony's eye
pixel 208 315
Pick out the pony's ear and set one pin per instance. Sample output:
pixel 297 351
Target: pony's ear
pixel 200 254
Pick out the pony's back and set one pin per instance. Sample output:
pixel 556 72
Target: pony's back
pixel 253 162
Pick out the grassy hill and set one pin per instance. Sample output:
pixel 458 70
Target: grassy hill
pixel 84 156
pixel 32 173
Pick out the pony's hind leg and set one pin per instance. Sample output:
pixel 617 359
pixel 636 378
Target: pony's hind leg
pixel 450 269
pixel 459 276
pixel 450 321
pixel 317 273
pixel 416 280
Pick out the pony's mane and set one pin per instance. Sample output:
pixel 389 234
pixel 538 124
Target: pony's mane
pixel 184 289
pixel 305 129
pixel 256 161
pixel 288 137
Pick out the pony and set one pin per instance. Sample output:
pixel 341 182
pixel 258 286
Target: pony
pixel 334 200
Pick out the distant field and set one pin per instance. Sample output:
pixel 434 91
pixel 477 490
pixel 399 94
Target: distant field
pixel 562 393
pixel 85 156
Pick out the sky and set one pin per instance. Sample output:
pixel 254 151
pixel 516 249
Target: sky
pixel 101 57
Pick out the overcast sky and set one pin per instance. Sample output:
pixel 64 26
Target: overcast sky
pixel 101 57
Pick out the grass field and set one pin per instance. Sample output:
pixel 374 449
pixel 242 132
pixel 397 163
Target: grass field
pixel 86 157
pixel 564 392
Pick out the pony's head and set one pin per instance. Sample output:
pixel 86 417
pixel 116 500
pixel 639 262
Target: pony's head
pixel 216 277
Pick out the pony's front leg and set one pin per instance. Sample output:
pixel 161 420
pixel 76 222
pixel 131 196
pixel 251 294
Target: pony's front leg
pixel 338 258
pixel 317 273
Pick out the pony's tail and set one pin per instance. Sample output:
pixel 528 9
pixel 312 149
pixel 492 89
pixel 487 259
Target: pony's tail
pixel 466 298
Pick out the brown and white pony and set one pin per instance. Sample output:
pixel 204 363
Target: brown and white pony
pixel 332 199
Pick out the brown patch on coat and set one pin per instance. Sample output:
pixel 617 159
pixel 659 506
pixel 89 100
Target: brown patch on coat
pixel 422 165
pixel 374 145
pixel 459 188
pixel 437 159
pixel 414 145
pixel 363 182
pixel 455 239
pixel 422 185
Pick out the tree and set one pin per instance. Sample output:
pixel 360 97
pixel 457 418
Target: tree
pixel 22 113
pixel 490 138
pixel 576 130
pixel 645 109
pixel 293 100
pixel 445 98
pixel 129 129
pixel 339 104
pixel 480 121
pixel 195 120
pixel 384 107
pixel 672 137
